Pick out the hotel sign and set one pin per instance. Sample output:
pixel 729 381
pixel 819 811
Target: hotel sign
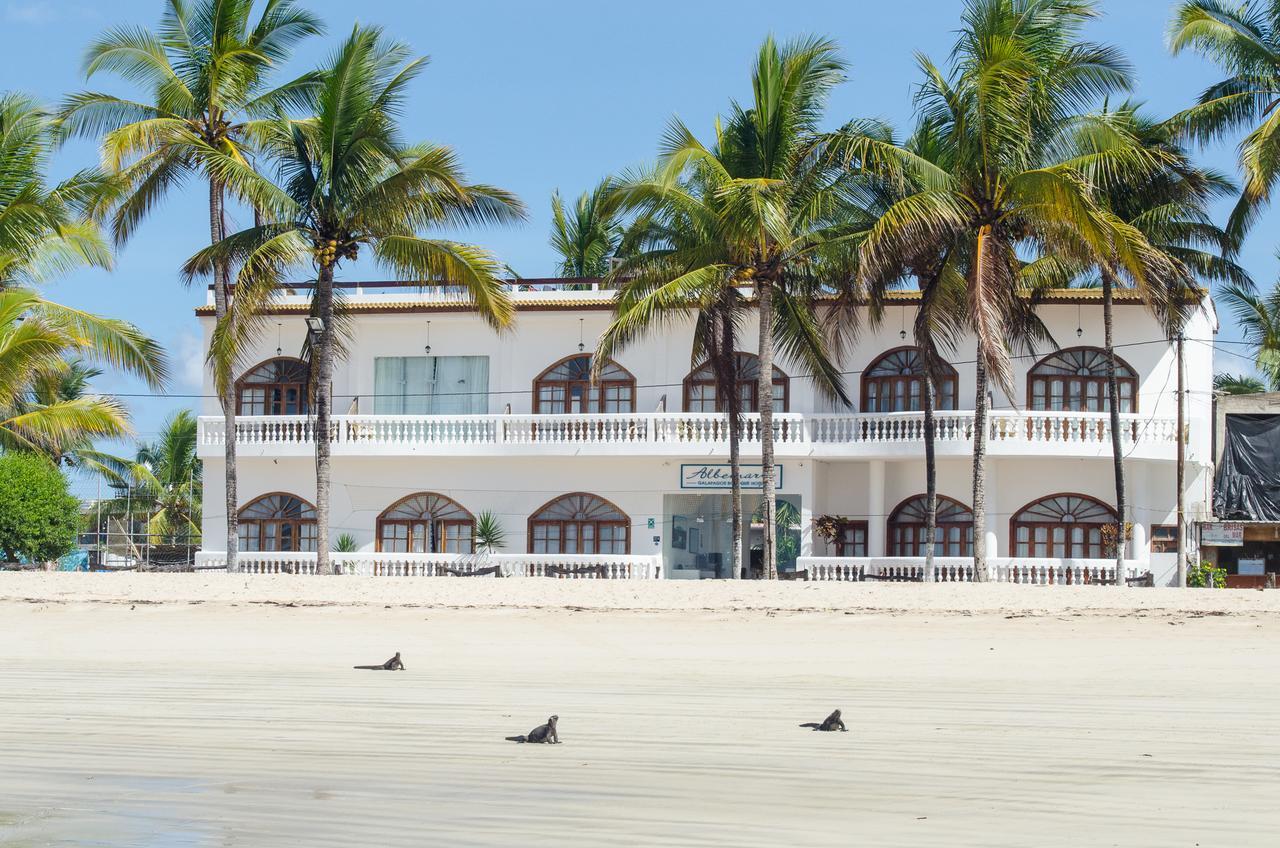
pixel 718 476
pixel 1222 534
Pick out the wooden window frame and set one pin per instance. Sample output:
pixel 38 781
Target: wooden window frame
pixel 561 524
pixel 751 385
pixel 1082 382
pixel 258 523
pixel 1049 526
pixel 1162 545
pixel 952 381
pixel 590 391
pixel 303 387
pixel 842 546
pixel 916 541
pixel 440 526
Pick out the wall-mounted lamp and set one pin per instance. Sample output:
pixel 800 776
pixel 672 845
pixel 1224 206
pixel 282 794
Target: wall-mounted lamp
pixel 315 325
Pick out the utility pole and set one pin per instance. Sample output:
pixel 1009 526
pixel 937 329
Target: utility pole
pixel 1182 461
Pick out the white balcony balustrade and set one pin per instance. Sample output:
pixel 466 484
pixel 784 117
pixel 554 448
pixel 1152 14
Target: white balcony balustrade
pixel 386 564
pixel 683 434
pixel 1033 571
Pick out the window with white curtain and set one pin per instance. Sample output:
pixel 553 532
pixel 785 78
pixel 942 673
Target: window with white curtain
pixel 431 385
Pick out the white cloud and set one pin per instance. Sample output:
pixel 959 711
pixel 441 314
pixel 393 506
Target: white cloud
pixel 40 12
pixel 188 351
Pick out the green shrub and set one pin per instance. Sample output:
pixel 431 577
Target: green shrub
pixel 346 544
pixel 1206 575
pixel 38 516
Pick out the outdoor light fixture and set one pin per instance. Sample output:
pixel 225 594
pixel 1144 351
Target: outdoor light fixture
pixel 1079 323
pixel 902 334
pixel 279 348
pixel 315 325
pixel 428 347
pixel 581 345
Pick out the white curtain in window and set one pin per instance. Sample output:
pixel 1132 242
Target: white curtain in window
pixel 431 385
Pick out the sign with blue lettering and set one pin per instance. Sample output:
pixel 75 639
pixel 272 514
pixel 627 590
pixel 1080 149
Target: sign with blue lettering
pixel 718 476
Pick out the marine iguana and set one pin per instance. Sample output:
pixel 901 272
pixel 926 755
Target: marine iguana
pixel 831 722
pixel 544 733
pixel 393 664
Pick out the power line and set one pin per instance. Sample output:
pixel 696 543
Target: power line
pixel 520 392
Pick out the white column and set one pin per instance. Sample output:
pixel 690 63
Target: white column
pixel 1137 494
pixel 876 517
pixel 995 517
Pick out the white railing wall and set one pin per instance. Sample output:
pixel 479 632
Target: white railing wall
pixel 385 564
pixel 1035 571
pixel 672 432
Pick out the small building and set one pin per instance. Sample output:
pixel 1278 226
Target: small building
pixel 1244 536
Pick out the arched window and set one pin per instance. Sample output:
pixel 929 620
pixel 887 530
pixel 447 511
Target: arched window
pixel 427 523
pixel 277 522
pixel 1075 380
pixel 954 529
pixel 700 387
pixel 566 387
pixel 579 523
pixel 1062 526
pixel 895 383
pixel 276 387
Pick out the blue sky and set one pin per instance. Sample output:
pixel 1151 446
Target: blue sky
pixel 539 96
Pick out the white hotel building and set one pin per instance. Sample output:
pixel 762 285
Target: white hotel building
pixel 440 418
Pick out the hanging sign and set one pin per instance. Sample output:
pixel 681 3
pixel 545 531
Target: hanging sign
pixel 1222 534
pixel 694 476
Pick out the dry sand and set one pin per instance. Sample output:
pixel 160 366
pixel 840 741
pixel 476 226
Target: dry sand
pixel 987 715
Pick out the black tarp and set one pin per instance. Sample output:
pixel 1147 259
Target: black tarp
pixel 1248 484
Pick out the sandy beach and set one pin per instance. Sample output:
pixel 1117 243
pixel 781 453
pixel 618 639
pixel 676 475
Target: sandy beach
pixel 200 710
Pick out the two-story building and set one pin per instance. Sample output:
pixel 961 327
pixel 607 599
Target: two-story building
pixel 440 419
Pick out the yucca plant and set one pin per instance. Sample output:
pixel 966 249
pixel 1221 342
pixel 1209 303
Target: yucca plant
pixel 490 537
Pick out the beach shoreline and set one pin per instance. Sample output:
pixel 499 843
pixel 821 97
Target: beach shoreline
pixel 620 595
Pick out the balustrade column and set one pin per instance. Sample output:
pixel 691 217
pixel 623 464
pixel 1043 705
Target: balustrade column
pixel 876 517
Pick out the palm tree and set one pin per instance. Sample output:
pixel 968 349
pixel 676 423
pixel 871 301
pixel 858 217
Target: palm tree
pixel 37 337
pixel 1166 202
pixel 1020 75
pixel 207 67
pixel 585 237
pixel 1244 40
pixel 1258 317
pixel 46 230
pixel 765 209
pixel 1237 384
pixel 347 181
pixel 163 481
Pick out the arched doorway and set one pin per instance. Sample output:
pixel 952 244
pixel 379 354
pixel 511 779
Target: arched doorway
pixel 566 387
pixel 277 522
pixel 426 523
pixel 275 387
pixel 908 523
pixel 894 382
pixel 579 523
pixel 1065 526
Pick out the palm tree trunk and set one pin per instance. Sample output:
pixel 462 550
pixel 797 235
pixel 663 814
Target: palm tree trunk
pixel 769 546
pixel 930 480
pixel 1113 400
pixel 980 470
pixel 322 364
pixel 227 398
pixel 733 408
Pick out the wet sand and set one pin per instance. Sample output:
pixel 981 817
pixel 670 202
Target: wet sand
pixel 234 723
